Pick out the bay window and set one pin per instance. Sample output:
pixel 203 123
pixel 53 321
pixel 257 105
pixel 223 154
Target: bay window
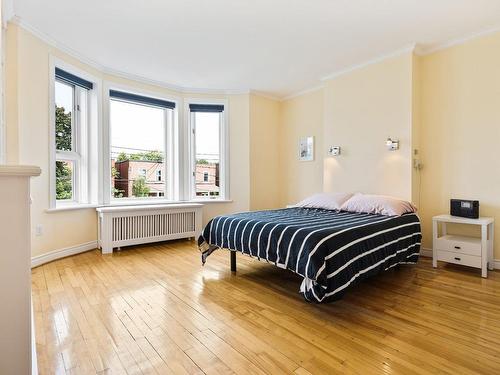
pixel 126 146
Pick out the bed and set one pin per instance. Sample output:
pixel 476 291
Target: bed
pixel 331 250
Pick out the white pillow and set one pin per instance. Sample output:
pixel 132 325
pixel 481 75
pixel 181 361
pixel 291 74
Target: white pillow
pixel 327 201
pixel 378 204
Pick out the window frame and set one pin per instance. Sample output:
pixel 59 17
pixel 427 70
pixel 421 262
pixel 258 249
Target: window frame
pixel 78 130
pixel 224 180
pixel 85 139
pixel 171 143
pixel 92 188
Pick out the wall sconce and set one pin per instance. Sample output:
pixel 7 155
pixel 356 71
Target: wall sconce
pixel 392 145
pixel 334 151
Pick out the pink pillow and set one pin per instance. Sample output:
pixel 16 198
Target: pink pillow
pixel 327 201
pixel 378 204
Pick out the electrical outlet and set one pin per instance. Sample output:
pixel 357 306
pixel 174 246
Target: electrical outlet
pixel 38 230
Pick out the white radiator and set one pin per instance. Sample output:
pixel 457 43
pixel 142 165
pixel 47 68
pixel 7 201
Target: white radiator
pixel 132 225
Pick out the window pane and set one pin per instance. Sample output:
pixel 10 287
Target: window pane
pixel 207 174
pixel 64 100
pixel 137 150
pixel 64 180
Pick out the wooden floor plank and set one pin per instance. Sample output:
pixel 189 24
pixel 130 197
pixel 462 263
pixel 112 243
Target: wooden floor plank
pixel 156 310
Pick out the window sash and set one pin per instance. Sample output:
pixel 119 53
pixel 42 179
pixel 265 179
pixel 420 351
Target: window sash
pixel 79 145
pixel 222 154
pixel 167 181
pixel 75 190
pixel 73 112
pixel 67 155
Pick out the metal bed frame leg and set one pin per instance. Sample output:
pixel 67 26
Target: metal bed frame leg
pixel 233 260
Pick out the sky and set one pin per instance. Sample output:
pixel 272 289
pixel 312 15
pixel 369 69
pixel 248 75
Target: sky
pixel 142 128
pixel 64 96
pixel 138 128
pixel 135 128
pixel 207 135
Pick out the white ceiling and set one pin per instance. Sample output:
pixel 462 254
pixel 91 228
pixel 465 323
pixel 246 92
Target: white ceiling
pixel 276 47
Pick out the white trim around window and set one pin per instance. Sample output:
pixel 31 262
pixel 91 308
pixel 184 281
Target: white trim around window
pixel 85 136
pixel 93 187
pixel 189 153
pixel 171 141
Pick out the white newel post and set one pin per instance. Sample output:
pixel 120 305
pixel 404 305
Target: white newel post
pixel 15 269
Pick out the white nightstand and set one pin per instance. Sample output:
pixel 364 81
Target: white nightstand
pixel 469 251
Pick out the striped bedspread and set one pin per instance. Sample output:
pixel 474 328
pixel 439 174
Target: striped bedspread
pixel 331 250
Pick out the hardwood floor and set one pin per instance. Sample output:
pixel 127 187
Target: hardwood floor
pixel 155 309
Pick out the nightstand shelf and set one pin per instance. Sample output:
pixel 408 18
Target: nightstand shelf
pixel 468 251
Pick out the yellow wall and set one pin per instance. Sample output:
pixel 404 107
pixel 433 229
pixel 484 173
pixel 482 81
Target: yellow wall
pixel 61 229
pixel 447 105
pixel 416 129
pixel 301 116
pixel 27 92
pixel 361 109
pixel 460 133
pixel 11 105
pixel 265 171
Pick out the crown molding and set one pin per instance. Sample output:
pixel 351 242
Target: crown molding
pixel 16 20
pixel 118 73
pixel 171 87
pixel 375 60
pixel 304 92
pixel 429 49
pixel 8 11
pixel 418 49
pixel 265 95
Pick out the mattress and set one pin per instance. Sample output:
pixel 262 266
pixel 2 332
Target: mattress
pixel 331 250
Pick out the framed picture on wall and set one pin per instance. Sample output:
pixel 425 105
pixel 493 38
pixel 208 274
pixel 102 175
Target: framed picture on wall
pixel 306 148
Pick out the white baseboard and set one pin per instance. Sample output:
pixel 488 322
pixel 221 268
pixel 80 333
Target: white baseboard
pixel 61 253
pixel 425 252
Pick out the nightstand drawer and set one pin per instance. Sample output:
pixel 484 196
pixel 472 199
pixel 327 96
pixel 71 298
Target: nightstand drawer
pixel 453 257
pixel 459 244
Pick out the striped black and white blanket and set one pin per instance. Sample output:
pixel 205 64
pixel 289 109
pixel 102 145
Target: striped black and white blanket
pixel 331 250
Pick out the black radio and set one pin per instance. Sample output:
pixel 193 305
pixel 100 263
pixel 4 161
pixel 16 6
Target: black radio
pixel 464 208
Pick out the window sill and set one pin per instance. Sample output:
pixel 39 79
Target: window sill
pixel 138 202
pixel 210 201
pixel 71 207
